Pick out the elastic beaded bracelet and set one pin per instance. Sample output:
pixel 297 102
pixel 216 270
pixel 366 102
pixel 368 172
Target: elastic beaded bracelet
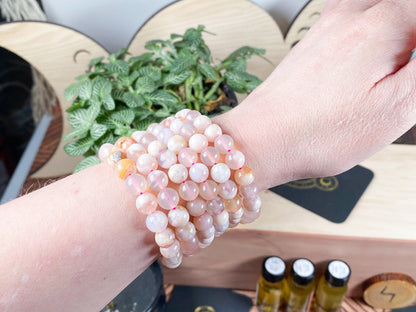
pixel 189 180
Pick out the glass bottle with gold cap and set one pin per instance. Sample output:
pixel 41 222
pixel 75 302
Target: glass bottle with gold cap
pixel 332 287
pixel 299 287
pixel 270 285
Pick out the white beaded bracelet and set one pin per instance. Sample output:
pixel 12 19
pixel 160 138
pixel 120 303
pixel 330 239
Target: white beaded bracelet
pixel 189 180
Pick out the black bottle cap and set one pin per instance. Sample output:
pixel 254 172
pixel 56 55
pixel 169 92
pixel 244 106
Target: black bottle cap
pixel 273 269
pixel 303 271
pixel 337 273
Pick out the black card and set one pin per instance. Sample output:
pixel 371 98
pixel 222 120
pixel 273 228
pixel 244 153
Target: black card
pixel 333 197
pixel 207 299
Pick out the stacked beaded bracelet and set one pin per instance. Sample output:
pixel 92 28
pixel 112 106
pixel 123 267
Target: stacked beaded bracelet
pixel 189 180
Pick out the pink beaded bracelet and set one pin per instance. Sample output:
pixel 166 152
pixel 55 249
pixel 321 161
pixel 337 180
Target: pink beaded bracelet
pixel 189 180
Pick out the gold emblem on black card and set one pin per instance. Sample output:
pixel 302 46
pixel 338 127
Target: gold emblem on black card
pixel 324 184
pixel 204 308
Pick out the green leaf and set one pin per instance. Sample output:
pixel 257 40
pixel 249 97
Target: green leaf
pixel 108 138
pixel 143 124
pixel 78 147
pixel 193 37
pixel 235 81
pixel 109 122
pixel 145 85
pixel 123 131
pixel 162 98
pixel 101 87
pixel 87 162
pixel 208 71
pixel 108 103
pixel 126 116
pixel 244 52
pixel 239 65
pixel 97 131
pixel 96 60
pixel 151 72
pixel 117 94
pixel 133 100
pixel 176 79
pixel 72 91
pixel 78 103
pixel 183 62
pixel 85 90
pixel 118 66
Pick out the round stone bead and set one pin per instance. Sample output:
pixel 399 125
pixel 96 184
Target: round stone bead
pixel 196 207
pixel 146 139
pixel 235 159
pixel 207 233
pixel 187 130
pixel 104 151
pixel 249 216
pixel 178 217
pixel 228 189
pixel 201 123
pixel 156 221
pixel 203 222
pixel 172 263
pixel 220 173
pixel 176 125
pixel 187 157
pixel 244 176
pixel 252 204
pixel 224 143
pixel 136 184
pixel 134 151
pixel 188 190
pixel 185 232
pixel 146 163
pixel 220 229
pixel 198 172
pixel 191 115
pixel 165 135
pixel 125 167
pixel 167 122
pixel 215 206
pixel 146 203
pixel 168 198
pixel 198 142
pixel 157 180
pixel 123 143
pixel 171 251
pixel 166 159
pixel 178 173
pixel 155 147
pixel 155 129
pixel 151 126
pixel 189 247
pixel 249 191
pixel 182 113
pixel 221 218
pixel 205 242
pixel 212 132
pixel 208 190
pixel 210 156
pixel 236 216
pixel 137 135
pixel 165 238
pixel 114 157
pixel 176 143
pixel 234 204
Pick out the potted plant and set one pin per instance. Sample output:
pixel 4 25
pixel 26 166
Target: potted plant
pixel 125 93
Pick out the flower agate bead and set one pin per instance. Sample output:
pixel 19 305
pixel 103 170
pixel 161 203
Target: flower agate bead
pixel 207 233
pixel 212 132
pixel 188 191
pixel 196 207
pixel 123 144
pixel 167 121
pixel 178 173
pixel 220 173
pixel 252 204
pixel 125 167
pixel 152 126
pixel 156 221
pixel 146 203
pixel 137 135
pixel 178 217
pixel 168 198
pixel 176 143
pixel 198 142
pixel 228 189
pixel 136 184
pixel 224 143
pixel 135 151
pixel 215 206
pixel 205 242
pixel 201 123
pixel 203 222
pixel 210 156
pixel 244 176
pixel 166 159
pixel 104 151
pixel 187 131
pixel 249 216
pixel 198 172
pixel 236 216
pixel 221 219
pixel 171 251
pixel 114 157
pixel 157 180
pixel 191 115
pixel 146 163
pixel 182 113
pixel 172 263
pixel 249 191
pixel 176 125
pixel 235 159
pixel 165 238
pixel 155 148
pixel 189 247
pixel 155 129
pixel 165 135
pixel 146 139
pixel 185 232
pixel 187 157
pixel 208 190
pixel 234 204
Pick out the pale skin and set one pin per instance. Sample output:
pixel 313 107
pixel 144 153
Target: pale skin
pixel 342 94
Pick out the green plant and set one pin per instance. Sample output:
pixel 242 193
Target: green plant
pixel 118 96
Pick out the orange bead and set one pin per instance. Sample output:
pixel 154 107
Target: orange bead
pixel 233 205
pixel 244 176
pixel 125 167
pixel 124 143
